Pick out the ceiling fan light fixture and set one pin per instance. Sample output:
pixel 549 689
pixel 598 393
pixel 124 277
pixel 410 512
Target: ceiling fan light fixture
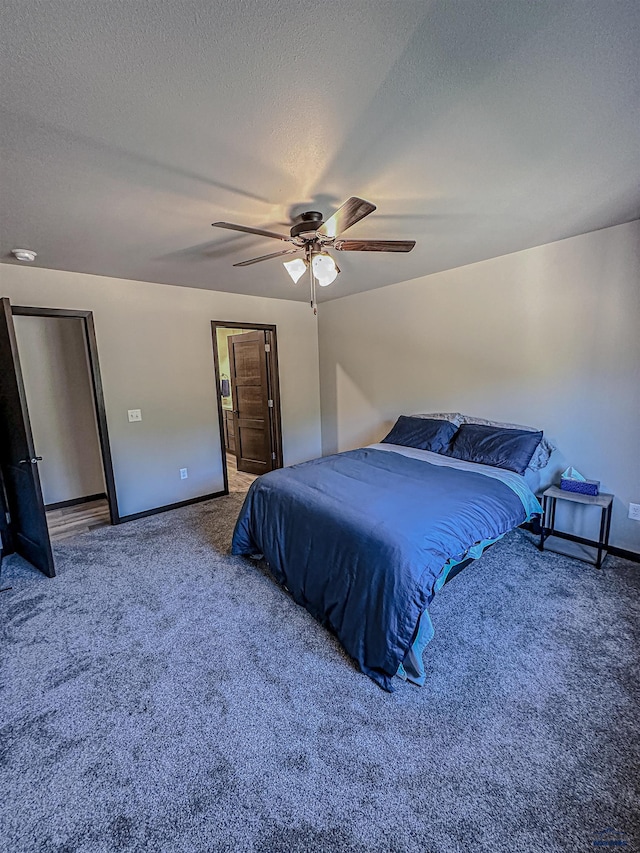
pixel 310 235
pixel 324 269
pixel 295 268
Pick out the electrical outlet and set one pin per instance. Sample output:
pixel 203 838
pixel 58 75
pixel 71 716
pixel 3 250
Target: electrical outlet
pixel 183 473
pixel 134 415
pixel 634 512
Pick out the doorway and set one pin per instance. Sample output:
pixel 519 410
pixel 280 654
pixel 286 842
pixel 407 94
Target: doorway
pixel 50 388
pixel 248 393
pixel 62 409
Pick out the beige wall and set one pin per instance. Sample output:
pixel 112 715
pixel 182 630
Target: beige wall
pixel 55 370
pixel 155 349
pixel 548 337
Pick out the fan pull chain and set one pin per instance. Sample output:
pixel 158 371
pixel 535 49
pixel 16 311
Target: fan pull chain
pixel 315 304
pixel 312 283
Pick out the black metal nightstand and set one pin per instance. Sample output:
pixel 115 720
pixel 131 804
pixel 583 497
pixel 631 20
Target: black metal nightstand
pixel 604 501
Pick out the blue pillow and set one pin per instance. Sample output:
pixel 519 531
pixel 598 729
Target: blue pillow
pixel 421 433
pixel 503 448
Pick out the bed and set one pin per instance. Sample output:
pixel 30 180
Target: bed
pixel 366 538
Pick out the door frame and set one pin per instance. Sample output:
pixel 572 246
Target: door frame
pixel 96 386
pixel 273 380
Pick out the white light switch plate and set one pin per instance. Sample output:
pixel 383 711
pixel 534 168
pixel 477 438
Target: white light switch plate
pixel 135 415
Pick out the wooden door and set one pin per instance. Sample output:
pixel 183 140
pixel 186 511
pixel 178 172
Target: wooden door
pixel 28 522
pixel 251 402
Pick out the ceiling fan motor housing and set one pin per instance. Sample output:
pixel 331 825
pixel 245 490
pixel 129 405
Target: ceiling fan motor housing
pixel 308 224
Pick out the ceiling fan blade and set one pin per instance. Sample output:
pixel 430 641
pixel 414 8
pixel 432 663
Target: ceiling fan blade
pixel 374 245
pixel 266 257
pixel 232 227
pixel 353 210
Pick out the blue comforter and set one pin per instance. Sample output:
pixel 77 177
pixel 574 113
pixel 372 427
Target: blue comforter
pixel 362 538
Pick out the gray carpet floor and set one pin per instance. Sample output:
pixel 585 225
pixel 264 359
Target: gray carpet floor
pixel 161 695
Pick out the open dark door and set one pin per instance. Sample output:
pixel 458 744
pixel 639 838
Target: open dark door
pixel 27 528
pixel 251 402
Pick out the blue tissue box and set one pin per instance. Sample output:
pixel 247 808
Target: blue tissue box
pixel 582 487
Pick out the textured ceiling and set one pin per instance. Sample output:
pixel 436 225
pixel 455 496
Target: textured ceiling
pixel 478 128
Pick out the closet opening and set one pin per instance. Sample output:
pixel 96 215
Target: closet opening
pixel 246 374
pixel 63 389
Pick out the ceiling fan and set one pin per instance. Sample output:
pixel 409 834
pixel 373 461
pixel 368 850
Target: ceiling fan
pixel 312 236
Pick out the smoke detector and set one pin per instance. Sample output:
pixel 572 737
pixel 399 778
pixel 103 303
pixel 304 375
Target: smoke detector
pixel 24 254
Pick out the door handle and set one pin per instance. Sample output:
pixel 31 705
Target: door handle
pixel 32 460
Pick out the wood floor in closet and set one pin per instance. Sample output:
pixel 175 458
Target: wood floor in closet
pixel 71 520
